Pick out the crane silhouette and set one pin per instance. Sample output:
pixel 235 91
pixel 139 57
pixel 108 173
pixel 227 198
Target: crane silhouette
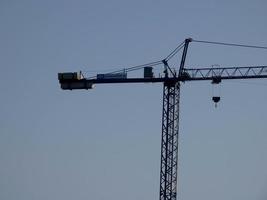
pixel 171 80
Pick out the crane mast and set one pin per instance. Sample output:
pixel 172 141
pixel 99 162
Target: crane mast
pixel 170 133
pixel 169 141
pixel 171 98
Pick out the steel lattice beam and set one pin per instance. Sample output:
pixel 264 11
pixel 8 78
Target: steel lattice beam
pixel 225 73
pixel 169 142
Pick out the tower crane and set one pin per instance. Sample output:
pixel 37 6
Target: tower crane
pixel 171 80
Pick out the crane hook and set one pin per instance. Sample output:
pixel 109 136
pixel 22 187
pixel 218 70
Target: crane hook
pixel 216 99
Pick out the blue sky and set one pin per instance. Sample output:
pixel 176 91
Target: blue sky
pixel 105 143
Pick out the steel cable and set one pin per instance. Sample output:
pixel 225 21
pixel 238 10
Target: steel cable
pixel 230 44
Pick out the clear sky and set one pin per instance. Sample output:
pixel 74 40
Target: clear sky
pixel 104 144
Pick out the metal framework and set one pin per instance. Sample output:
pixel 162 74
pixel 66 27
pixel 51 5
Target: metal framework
pixel 169 141
pixel 193 74
pixel 170 113
pixel 225 73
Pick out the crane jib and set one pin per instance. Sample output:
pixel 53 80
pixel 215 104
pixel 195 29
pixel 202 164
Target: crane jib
pixel 192 74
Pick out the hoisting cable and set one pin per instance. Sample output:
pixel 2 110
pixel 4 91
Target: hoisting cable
pixel 144 65
pixel 167 58
pixel 230 44
pixel 174 52
pixel 137 67
pixel 177 49
pixel 155 63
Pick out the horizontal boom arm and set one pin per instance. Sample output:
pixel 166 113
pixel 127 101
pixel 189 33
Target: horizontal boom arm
pixel 225 73
pixel 189 74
